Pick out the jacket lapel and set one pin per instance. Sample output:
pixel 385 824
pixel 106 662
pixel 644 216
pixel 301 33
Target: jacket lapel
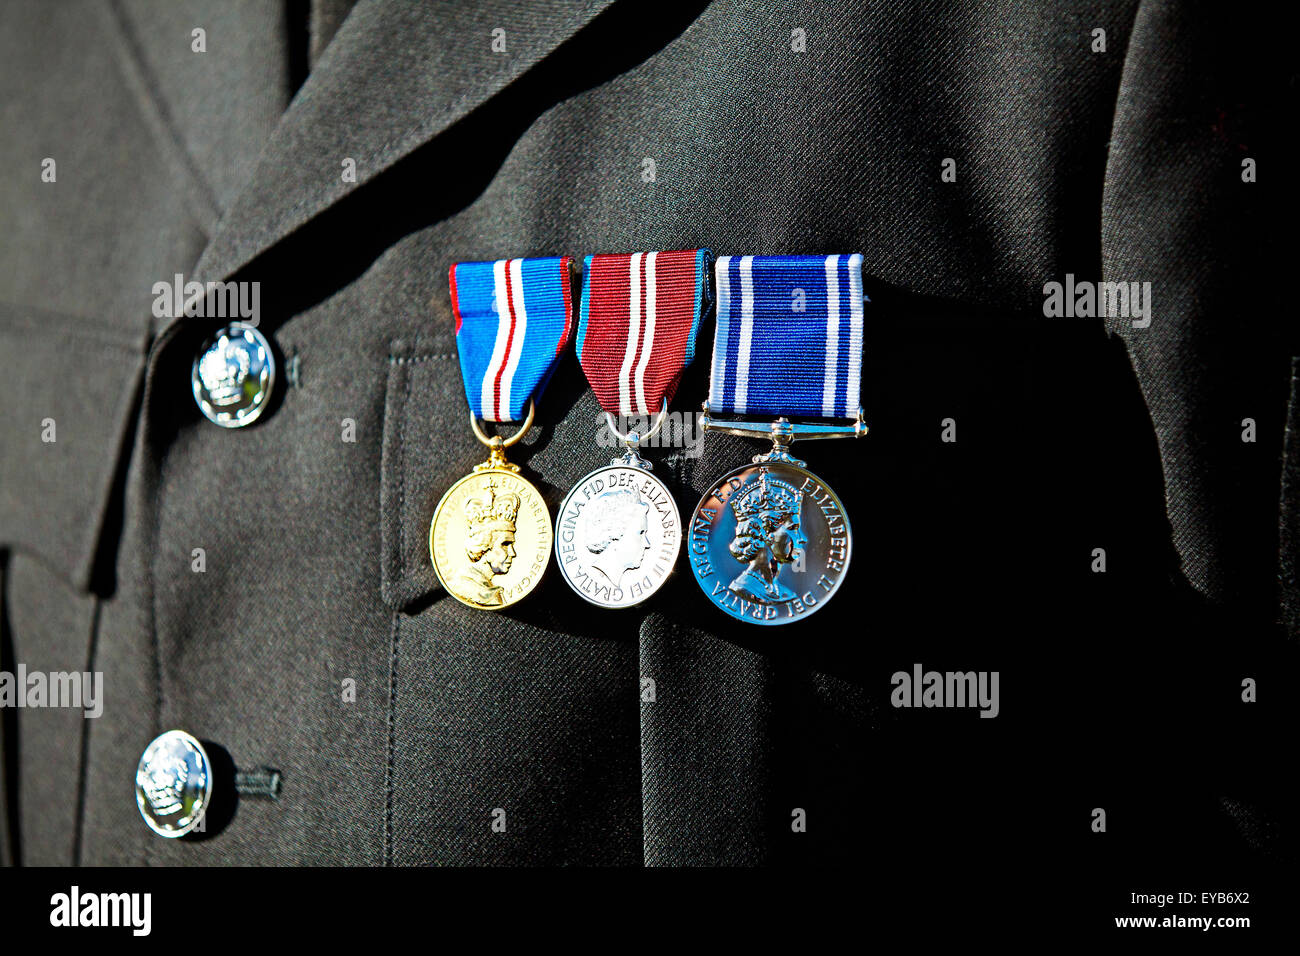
pixel 395 76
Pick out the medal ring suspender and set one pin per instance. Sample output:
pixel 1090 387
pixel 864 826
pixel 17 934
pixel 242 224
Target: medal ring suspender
pixel 490 538
pixel 632 440
pixel 497 445
pixel 770 541
pixel 618 533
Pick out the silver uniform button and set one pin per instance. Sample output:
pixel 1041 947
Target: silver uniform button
pixel 233 375
pixel 173 784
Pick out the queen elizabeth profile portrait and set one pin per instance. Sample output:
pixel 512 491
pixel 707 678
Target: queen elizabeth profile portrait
pixel 489 545
pixel 768 536
pixel 615 533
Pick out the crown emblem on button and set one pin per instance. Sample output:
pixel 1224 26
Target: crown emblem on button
pixel 164 782
pixel 223 372
pixel 173 784
pixel 233 376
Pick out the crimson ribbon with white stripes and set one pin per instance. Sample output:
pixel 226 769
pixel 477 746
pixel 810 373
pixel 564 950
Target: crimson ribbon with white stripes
pixel 640 315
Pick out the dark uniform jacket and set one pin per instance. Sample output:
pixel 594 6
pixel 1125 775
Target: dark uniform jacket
pixel 1105 141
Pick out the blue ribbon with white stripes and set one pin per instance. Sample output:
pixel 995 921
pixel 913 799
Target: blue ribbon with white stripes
pixel 789 336
pixel 513 320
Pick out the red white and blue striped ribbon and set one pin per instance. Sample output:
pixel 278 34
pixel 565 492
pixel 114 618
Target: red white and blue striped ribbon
pixel 513 319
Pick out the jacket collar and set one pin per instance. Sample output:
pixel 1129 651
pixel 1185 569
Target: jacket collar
pixel 395 76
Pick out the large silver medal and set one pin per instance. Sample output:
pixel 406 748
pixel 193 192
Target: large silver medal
pixel 619 533
pixel 770 542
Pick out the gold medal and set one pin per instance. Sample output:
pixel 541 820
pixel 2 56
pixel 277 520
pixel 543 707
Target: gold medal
pixel 491 533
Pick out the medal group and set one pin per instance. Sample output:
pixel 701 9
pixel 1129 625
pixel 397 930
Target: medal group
pixel 769 543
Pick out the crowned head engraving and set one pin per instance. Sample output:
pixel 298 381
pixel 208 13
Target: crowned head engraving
pixel 491 510
pixel 490 515
pixel 223 370
pixel 768 535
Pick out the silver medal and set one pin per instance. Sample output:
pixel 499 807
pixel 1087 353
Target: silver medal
pixel 770 541
pixel 618 533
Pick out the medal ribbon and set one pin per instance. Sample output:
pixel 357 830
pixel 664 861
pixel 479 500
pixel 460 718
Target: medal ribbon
pixel 789 338
pixel 640 315
pixel 513 320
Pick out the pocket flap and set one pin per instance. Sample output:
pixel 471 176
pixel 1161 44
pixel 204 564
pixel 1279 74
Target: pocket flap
pixel 427 446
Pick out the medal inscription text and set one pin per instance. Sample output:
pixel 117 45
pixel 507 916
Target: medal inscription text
pixel 769 543
pixel 618 536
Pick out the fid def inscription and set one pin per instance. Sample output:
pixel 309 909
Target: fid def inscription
pixel 618 536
